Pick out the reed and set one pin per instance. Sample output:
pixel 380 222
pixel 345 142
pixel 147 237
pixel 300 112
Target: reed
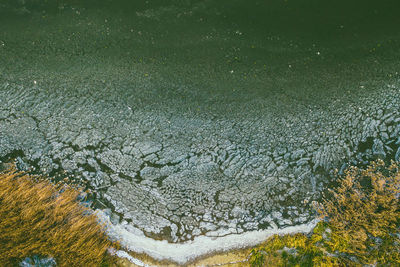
pixel 41 218
pixel 360 225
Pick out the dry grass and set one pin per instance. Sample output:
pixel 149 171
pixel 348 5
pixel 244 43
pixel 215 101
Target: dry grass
pixel 360 226
pixel 364 214
pixel 40 218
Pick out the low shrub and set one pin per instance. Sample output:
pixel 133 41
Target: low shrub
pixel 359 226
pixel 45 219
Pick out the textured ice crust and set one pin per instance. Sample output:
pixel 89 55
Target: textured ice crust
pixel 224 132
pixel 179 176
pixel 181 253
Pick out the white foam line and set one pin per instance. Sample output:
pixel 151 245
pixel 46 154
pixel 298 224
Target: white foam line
pixel 133 239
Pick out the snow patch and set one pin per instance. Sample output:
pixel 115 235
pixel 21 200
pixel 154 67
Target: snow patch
pixel 133 239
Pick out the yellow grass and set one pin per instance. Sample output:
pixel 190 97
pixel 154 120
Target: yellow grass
pixel 360 225
pixel 40 218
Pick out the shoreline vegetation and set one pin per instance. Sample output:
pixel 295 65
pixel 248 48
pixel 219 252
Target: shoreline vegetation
pixel 42 220
pixel 359 226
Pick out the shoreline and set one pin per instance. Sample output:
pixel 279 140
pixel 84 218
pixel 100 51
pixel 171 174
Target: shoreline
pixel 201 247
pixel 237 257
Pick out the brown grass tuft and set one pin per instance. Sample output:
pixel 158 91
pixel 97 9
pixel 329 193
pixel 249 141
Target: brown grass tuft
pixel 364 214
pixel 360 226
pixel 40 218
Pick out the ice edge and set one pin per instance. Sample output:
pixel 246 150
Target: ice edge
pixel 132 239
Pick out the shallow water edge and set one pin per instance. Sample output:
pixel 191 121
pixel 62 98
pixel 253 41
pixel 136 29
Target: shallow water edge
pixel 132 239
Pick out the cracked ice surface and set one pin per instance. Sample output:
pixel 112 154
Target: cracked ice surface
pixel 172 141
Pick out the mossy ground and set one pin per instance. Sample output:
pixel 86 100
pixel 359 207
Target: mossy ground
pixel 359 226
pixel 41 218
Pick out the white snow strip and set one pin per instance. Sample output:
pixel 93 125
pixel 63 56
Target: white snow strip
pixel 124 254
pixel 133 239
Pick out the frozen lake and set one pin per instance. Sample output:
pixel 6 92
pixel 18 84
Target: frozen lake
pixel 195 118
